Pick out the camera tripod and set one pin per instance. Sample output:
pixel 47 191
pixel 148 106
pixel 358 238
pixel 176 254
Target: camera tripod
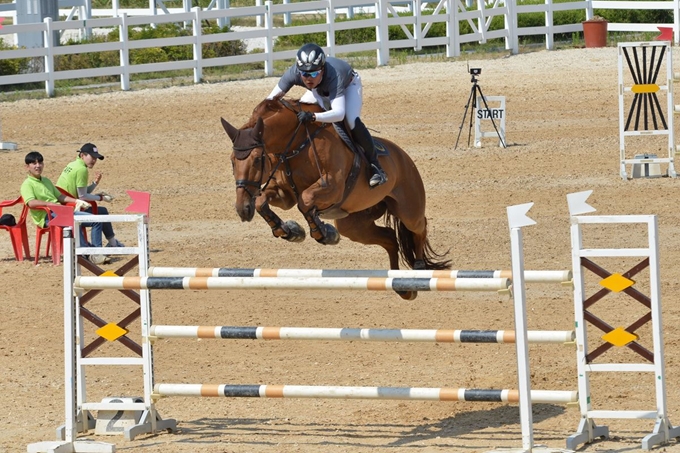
pixel 476 89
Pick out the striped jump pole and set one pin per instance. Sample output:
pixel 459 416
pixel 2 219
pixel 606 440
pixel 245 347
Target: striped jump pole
pixel 529 276
pixel 322 333
pixel 350 283
pixel 341 392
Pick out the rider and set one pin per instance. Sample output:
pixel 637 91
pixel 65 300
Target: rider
pixel 337 88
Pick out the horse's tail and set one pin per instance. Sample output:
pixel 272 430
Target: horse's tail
pixel 407 247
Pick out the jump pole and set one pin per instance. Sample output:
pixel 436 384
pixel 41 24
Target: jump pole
pixel 316 283
pixel 348 334
pixel 348 392
pixel 539 276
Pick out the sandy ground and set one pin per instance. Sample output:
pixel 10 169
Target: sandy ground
pixel 562 131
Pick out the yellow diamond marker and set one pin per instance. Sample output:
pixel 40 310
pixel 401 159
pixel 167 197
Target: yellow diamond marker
pixel 619 337
pixel 616 282
pixel 645 88
pixel 111 332
pixel 109 274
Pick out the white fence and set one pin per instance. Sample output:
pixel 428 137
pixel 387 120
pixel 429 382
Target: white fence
pixel 383 14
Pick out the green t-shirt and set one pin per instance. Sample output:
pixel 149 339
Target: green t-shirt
pixel 74 175
pixel 39 189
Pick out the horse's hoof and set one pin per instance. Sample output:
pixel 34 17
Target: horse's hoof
pixel 295 233
pixel 408 295
pixel 330 235
pixel 419 265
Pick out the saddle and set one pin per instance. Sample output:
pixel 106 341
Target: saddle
pixel 334 212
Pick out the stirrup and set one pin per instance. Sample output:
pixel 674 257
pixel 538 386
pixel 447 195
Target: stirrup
pixel 378 178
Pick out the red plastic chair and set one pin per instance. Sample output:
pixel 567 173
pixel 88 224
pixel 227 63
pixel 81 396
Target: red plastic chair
pixel 55 232
pixel 54 238
pixel 18 233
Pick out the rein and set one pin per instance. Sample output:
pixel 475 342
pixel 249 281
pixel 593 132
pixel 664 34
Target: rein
pixel 287 105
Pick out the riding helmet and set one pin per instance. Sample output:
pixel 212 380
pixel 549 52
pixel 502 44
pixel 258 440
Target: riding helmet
pixel 310 57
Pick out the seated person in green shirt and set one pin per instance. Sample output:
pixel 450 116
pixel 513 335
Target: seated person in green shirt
pixel 73 180
pixel 38 191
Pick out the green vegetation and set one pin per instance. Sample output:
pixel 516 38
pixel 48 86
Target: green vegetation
pixel 358 59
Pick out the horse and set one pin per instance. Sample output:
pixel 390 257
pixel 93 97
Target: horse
pixel 278 161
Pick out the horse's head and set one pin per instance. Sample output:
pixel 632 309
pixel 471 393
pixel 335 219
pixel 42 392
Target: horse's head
pixel 249 163
pixel 253 149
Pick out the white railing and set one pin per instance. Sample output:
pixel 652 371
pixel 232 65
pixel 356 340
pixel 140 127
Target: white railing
pixel 382 14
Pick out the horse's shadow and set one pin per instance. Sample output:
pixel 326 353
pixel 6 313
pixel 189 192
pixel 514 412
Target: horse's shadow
pixel 446 432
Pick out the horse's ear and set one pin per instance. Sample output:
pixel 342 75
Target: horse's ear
pixel 231 131
pixel 259 128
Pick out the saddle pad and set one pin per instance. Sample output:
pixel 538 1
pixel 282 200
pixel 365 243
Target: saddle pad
pixel 380 148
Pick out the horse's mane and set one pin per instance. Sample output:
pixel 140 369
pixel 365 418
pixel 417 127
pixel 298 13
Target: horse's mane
pixel 270 107
pixel 263 110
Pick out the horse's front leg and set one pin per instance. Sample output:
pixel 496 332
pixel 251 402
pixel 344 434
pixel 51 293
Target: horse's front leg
pixel 289 230
pixel 323 194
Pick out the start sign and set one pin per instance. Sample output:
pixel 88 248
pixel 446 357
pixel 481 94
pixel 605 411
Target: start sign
pixel 485 114
pixel 492 118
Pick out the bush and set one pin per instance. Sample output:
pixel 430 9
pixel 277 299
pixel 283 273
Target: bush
pixel 148 55
pixel 13 66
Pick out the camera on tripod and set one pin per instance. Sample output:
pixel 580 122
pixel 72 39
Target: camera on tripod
pixel 475 93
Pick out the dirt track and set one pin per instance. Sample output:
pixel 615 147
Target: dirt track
pixel 562 129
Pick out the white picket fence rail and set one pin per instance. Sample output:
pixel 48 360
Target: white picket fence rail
pixel 384 14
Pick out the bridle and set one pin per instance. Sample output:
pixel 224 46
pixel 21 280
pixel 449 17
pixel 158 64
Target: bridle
pixel 245 183
pixel 282 158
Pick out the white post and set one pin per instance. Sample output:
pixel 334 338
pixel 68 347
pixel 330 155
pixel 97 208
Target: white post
pixel 269 42
pixel 517 219
pixel 550 23
pixel 330 21
pixel 382 32
pixel 223 21
pixel 49 57
pixel 452 30
pixel 676 22
pixel 198 47
pixel 258 18
pixel 124 54
pixel 286 16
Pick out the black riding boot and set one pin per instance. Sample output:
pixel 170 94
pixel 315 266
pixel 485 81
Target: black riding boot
pixel 363 138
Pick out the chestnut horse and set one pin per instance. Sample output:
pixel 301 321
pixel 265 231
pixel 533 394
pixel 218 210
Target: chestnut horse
pixel 279 162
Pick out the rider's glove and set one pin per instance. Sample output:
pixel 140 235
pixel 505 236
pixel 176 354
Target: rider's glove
pixel 305 117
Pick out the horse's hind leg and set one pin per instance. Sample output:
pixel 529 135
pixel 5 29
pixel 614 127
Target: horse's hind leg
pixel 360 227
